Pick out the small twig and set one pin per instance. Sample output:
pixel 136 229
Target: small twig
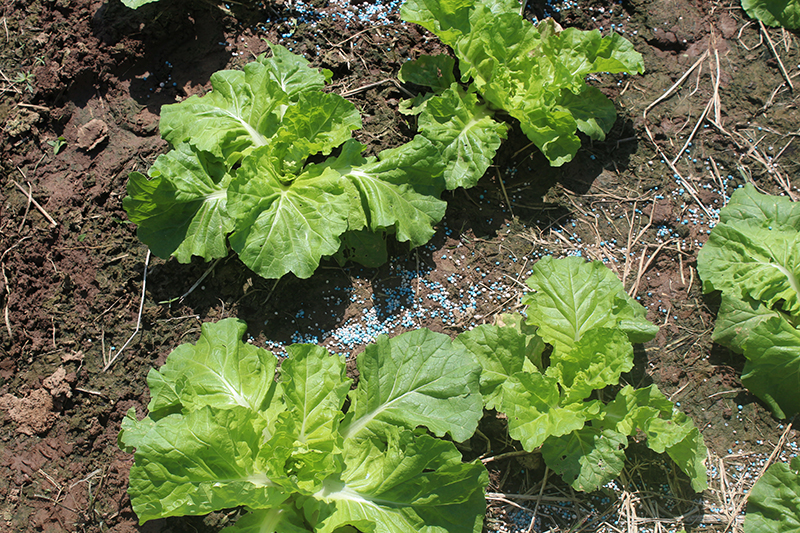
pixel 505 194
pixel 138 321
pixel 724 392
pixel 33 106
pixel 351 92
pixel 775 52
pixel 507 455
pixel 53 223
pixel 87 391
pixel 180 298
pixel 538 500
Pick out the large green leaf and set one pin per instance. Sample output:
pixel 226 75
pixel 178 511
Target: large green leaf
pixel 464 132
pixel 218 371
pixel 501 352
pixel 242 112
pixel 305 444
pixel 532 404
pixel 752 257
pixel 598 359
pixel 448 19
pixel 182 209
pixel 199 463
pixel 419 378
pixel 435 72
pixel 747 205
pixel 285 227
pixel 284 458
pixel 667 429
pixel 404 481
pixel 587 458
pixel 316 124
pixel 773 504
pixel 398 190
pixel 572 297
pixel 756 257
pixel 292 72
pixel 784 13
pixel 632 408
pixel 772 348
pixel 283 519
pixel 594 114
pixel 690 454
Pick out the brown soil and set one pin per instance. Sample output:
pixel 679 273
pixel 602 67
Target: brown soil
pixel 82 85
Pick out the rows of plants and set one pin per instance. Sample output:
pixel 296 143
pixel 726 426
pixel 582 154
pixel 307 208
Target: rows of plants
pixel 265 165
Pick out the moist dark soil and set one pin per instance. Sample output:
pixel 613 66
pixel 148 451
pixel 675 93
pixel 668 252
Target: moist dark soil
pixel 83 83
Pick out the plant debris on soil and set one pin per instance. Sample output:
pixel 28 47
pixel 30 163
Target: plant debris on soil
pixel 83 82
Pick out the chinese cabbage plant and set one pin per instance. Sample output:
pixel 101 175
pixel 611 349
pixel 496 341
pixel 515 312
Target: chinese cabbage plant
pixel 582 312
pixel 753 257
pixel 536 73
pixel 223 433
pixel 308 453
pixel 266 163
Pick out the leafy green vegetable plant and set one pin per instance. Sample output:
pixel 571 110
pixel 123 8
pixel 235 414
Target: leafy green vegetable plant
pixel 753 257
pixel 307 452
pixel 222 432
pixel 785 13
pixel 773 504
pixel 534 73
pixel 265 162
pixel 582 312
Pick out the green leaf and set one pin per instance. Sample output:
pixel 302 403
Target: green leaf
pixel 747 204
pixel 532 404
pixel 689 454
pixel 133 431
pixel 587 458
pixel 598 359
pixel 182 209
pixel 283 519
pixel 784 13
pixel 219 371
pixel 134 4
pixel 752 257
pixel 758 258
pixel 419 378
pixel 666 428
pixel 632 408
pixel 363 246
pixel 501 352
pixel 404 481
pixel 572 297
pixel 772 504
pixel 398 190
pixel 448 19
pixel 464 132
pixel 772 348
pixel 242 112
pixel 293 73
pixel 594 114
pixel 281 227
pixel 435 72
pixel 211 459
pixel 306 446
pixel 317 123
